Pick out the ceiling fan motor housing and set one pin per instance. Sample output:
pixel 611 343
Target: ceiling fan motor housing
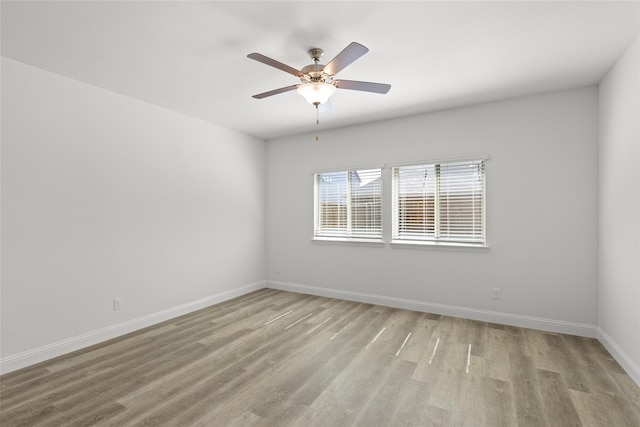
pixel 314 73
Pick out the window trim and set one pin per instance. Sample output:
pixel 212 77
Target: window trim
pixel 408 243
pixel 428 244
pixel 359 241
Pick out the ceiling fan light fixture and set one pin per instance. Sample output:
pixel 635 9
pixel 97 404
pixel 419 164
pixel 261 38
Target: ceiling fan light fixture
pixel 317 92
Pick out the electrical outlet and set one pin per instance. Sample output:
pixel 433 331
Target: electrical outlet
pixel 117 304
pixel 276 269
pixel 497 293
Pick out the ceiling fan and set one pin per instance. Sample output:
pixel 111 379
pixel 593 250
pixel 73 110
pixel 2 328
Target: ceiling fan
pixel 317 80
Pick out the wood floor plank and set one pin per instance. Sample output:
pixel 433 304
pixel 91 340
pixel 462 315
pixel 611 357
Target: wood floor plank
pixel 496 359
pixel 422 332
pixel 538 349
pixel 560 410
pixel 514 340
pixel 500 410
pixel 567 363
pixel 447 374
pixel 530 409
pixel 472 406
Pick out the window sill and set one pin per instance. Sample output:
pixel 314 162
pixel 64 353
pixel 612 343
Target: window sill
pixel 440 245
pixel 348 241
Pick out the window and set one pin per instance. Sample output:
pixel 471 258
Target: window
pixel 440 203
pixel 348 204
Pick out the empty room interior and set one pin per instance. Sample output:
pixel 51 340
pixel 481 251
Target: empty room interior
pixel 320 213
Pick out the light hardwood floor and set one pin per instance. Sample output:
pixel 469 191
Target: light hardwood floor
pixel 277 358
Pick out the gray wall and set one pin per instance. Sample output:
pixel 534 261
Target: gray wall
pixel 105 196
pixel 541 213
pixel 619 210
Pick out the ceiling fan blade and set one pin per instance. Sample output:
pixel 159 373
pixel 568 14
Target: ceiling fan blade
pixel 275 92
pixel 344 58
pixel 272 62
pixel 363 86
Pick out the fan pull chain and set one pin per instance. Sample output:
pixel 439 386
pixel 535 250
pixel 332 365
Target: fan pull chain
pixel 317 119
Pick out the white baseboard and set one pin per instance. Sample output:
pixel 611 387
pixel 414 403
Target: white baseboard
pixel 549 325
pixel 621 357
pixel 46 352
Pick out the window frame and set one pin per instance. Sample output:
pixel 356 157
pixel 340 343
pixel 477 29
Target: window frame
pixel 349 236
pixel 415 241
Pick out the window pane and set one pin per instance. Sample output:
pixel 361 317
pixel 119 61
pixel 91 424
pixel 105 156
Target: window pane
pixel 416 198
pixel 461 201
pixel 366 202
pixel 333 203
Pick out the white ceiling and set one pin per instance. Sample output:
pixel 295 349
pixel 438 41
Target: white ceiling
pixel 191 56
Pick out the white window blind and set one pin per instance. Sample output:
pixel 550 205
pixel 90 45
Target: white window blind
pixel 348 204
pixel 440 202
